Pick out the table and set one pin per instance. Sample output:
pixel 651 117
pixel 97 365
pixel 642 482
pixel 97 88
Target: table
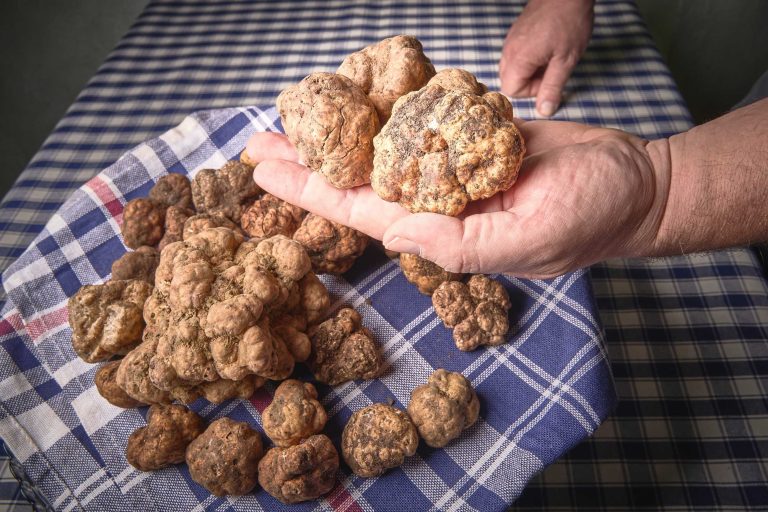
pixel 687 336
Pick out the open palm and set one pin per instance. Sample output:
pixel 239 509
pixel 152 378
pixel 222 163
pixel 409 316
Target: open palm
pixel 584 194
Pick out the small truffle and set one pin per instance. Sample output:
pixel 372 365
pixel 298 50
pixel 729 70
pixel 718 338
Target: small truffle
pixel 476 311
pixel 175 218
pixel 377 438
pixel 333 248
pixel 163 442
pixel 426 275
pixel 224 459
pixel 444 407
pixel 442 149
pixel 302 472
pixel 387 70
pixel 269 216
pixel 332 123
pixel 226 191
pixel 133 375
pixel 294 413
pixel 139 264
pixel 143 222
pixel 202 221
pixel 106 319
pixel 172 190
pixel 344 350
pixel 106 384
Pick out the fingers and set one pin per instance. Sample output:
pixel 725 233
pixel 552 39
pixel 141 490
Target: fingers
pixel 518 74
pixel 483 243
pixel 359 208
pixel 550 91
pixel 270 146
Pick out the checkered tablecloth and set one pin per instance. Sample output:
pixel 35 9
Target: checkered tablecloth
pixel 686 336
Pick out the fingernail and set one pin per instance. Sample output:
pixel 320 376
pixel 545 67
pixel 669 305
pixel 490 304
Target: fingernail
pixel 547 108
pixel 398 244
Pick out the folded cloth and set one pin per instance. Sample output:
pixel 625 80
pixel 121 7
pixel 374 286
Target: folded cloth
pixel 541 393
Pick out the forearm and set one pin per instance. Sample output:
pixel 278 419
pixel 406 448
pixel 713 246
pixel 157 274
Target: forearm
pixel 715 182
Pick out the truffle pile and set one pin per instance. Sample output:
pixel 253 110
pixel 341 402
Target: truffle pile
pixel 221 293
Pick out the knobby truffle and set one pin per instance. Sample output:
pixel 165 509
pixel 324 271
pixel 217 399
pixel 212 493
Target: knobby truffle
pixel 426 275
pixel 377 438
pixel 139 264
pixel 443 407
pixel 332 248
pixel 106 384
pixel 294 413
pixel 477 311
pixel 269 216
pixel 164 441
pixel 226 191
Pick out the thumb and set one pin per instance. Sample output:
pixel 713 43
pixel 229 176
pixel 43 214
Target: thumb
pixel 482 243
pixel 551 88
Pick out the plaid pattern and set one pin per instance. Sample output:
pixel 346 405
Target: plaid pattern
pixel 690 430
pixel 542 393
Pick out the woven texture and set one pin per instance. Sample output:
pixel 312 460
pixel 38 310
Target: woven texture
pixel 686 336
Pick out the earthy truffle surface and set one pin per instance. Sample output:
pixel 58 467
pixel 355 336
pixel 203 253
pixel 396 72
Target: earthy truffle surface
pixel 169 430
pixel 133 375
pixel 202 221
pixel 174 225
pixel 226 191
pixel 344 350
pixel 269 216
pixel 387 70
pixel 172 190
pixel 224 459
pixel 332 123
pixel 139 264
pixel 442 149
pixel 106 318
pixel 453 79
pixel 302 472
pixel 294 413
pixel 443 407
pixel 377 438
pixel 426 275
pixel 143 222
pixel 106 384
pixel 333 248
pixel 477 311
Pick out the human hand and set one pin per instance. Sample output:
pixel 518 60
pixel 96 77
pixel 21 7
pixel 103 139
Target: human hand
pixel 584 194
pixel 541 49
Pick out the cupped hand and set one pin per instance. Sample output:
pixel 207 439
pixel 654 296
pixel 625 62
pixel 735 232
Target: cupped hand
pixel 584 194
pixel 541 49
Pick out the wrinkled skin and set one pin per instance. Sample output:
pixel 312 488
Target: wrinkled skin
pixel 172 190
pixel 387 70
pixel 224 459
pixel 442 149
pixel 143 222
pixel 332 123
pixel 344 350
pixel 133 375
pixel 106 319
pixel 106 384
pixel 453 79
pixel 443 408
pixel 174 225
pixel 269 216
pixel 424 274
pixel 377 438
pixel 202 221
pixel 294 413
pixel 302 472
pixel 139 264
pixel 226 191
pixel 164 441
pixel 333 248
pixel 477 311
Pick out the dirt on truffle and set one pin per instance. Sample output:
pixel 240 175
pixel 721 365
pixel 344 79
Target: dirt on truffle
pixel 106 384
pixel 427 276
pixel 226 191
pixel 164 441
pixel 139 264
pixel 269 216
pixel 332 248
pixel 294 414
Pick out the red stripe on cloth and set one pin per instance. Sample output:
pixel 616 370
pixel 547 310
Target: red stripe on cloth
pixel 11 324
pixel 105 195
pixel 38 326
pixel 340 499
pixel 261 399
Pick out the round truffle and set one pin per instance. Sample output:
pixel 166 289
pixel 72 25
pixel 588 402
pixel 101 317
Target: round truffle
pixel 442 149
pixel 172 190
pixel 226 191
pixel 426 275
pixel 443 407
pixel 332 123
pixel 139 264
pixel 302 472
pixel 387 70
pixel 294 413
pixel 377 438
pixel 106 384
pixel 143 222
pixel 224 459
pixel 269 216
pixel 175 218
pixel 169 430
pixel 333 248
pixel 344 350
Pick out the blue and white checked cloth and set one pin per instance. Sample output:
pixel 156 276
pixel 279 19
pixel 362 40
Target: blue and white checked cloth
pixel 686 336
pixel 544 391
